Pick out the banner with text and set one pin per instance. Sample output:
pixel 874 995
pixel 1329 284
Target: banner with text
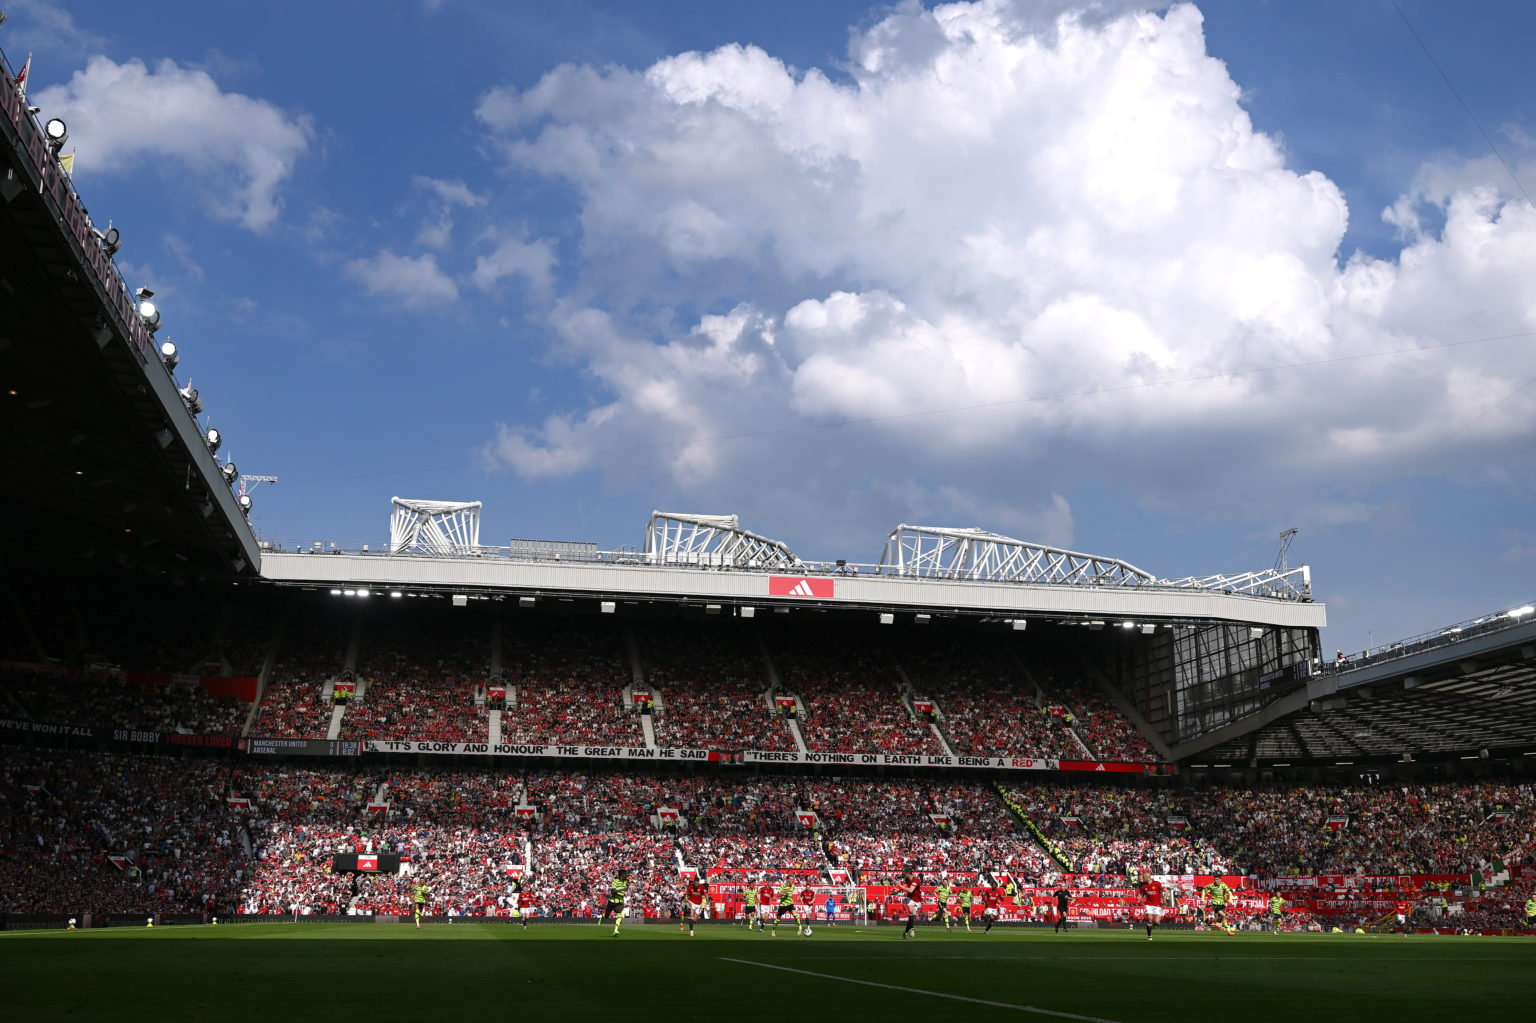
pixel 507 749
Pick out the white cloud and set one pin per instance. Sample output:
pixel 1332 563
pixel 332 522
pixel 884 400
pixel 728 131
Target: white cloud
pixel 232 150
pixel 1034 216
pixel 414 282
pixel 533 261
pixel 452 193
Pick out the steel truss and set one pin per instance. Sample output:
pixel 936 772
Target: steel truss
pixel 943 552
pixel 674 538
pixel 434 527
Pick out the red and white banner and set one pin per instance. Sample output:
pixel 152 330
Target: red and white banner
pixel 801 586
pixel 806 817
pixel 378 807
pixel 667 813
pixel 367 863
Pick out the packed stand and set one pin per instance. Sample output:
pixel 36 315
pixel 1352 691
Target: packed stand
pixel 712 688
pixel 569 681
pixel 108 833
pixel 421 677
pixel 297 699
pixel 1104 730
pixel 104 700
pixel 852 702
pixel 989 705
pixel 882 829
pixel 588 826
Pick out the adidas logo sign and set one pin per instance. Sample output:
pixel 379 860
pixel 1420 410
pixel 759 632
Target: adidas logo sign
pixel 802 589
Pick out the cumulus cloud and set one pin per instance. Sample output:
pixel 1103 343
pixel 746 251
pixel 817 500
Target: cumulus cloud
pixel 232 150
pixel 1014 245
pixel 533 261
pixel 412 282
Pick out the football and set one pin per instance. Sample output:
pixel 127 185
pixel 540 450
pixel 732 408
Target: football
pixel 806 932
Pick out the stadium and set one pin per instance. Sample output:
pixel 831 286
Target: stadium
pixel 312 768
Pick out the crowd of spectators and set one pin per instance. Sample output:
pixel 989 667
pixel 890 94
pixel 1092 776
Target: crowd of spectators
pixel 100 832
pixel 989 706
pixel 296 704
pixel 712 690
pixel 101 699
pixel 422 675
pixel 1339 829
pixel 851 695
pixel 570 681
pixel 108 833
pixel 882 829
pixel 1107 733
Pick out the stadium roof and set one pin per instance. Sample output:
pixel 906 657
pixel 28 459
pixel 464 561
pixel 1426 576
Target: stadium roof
pixel 102 458
pixel 1460 690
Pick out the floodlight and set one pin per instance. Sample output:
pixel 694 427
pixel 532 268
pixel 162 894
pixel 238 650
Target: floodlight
pixel 922 619
pixel 169 355
pixel 335 593
pixel 1521 612
pixel 607 607
pixel 887 619
pixel 229 472
pixel 527 601
pixel 1148 629
pixel 1255 633
pixel 149 313
pixel 1127 625
pixel 214 439
pixel 395 594
pixel 1019 625
pixel 244 501
pixel 111 239
pixel 711 609
pixel 747 612
pixel 349 593
pixel 461 600
pixel 56 132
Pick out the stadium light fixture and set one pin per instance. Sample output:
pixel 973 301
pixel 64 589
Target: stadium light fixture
pixel 244 501
pixel 607 607
pixel 149 313
pixel 1521 612
pixel 1148 629
pixel 1127 625
pixel 363 593
pixel 110 240
pixel 214 439
pixel 1255 633
pixel 711 609
pixel 1096 626
pixel 1019 625
pixel 887 619
pixel 922 619
pixel 349 593
pixel 56 133
pixel 229 472
pixel 748 612
pixel 395 594
pixel 169 355
pixel 527 601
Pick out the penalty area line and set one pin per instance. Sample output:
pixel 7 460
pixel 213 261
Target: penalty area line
pixel 922 991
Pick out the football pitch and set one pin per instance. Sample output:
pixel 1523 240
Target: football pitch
pixel 651 971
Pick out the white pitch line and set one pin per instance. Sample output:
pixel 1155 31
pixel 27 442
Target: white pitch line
pixel 922 991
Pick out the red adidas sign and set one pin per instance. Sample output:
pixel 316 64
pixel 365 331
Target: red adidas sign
pixel 800 586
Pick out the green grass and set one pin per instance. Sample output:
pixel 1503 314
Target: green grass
pixel 392 973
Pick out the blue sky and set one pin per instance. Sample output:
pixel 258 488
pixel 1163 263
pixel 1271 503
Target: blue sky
pixel 1120 279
